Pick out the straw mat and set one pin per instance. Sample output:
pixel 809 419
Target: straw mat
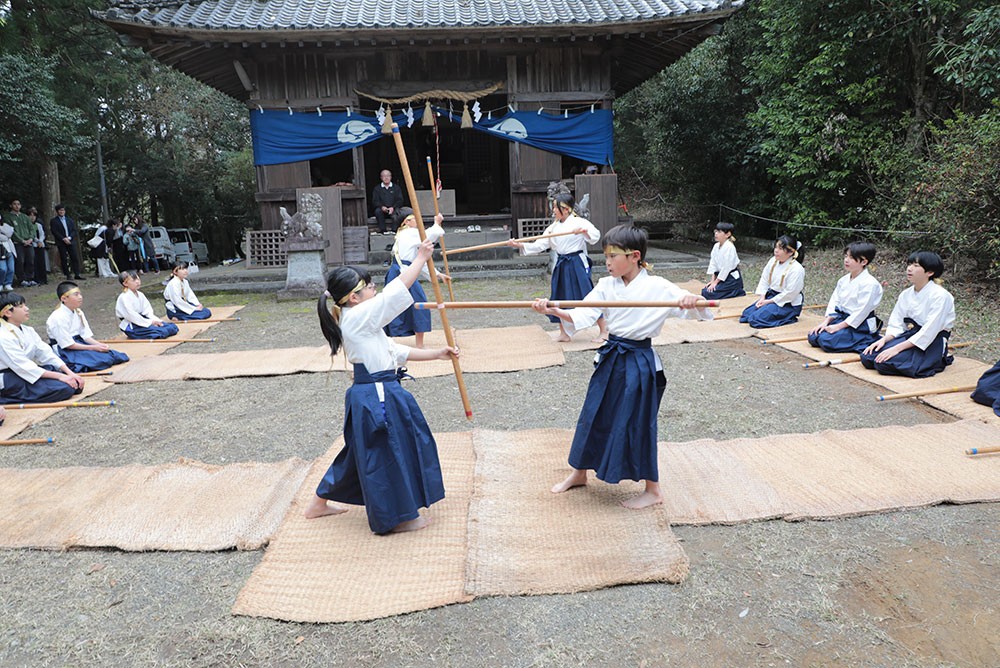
pixel 334 569
pixel 19 420
pixel 183 506
pixel 828 474
pixel 525 540
pixel 962 373
pixel 482 351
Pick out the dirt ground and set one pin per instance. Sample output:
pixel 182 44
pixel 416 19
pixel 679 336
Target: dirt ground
pixel 912 588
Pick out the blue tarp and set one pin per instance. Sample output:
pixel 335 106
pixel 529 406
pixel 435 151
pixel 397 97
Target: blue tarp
pixel 280 137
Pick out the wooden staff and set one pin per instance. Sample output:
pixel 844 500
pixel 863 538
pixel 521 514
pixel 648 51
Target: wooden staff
pixel 983 451
pixel 560 304
pixel 195 322
pixel 444 249
pixel 736 315
pixel 95 373
pixel 28 441
pixel 787 339
pixel 61 404
pixel 496 244
pixel 924 393
pixel 448 335
pixel 857 358
pixel 170 340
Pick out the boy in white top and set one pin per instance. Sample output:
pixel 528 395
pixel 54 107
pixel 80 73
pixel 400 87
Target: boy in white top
pixel 850 324
pixel 71 337
pixel 138 320
pixel 29 371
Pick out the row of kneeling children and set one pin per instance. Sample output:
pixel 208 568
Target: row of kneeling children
pixel 35 371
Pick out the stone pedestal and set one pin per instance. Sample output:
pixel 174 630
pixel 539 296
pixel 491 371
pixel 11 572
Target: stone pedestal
pixel 306 267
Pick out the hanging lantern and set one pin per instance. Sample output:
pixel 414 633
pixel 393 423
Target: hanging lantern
pixel 428 119
pixel 387 123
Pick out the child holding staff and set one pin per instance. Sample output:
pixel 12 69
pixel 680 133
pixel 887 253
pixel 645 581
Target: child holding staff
pixel 724 265
pixel 916 340
pixel 71 337
pixel 29 371
pixel 412 322
pixel 780 285
pixel 389 462
pixel 616 432
pixel 182 303
pixel 571 276
pixel 850 324
pixel 136 313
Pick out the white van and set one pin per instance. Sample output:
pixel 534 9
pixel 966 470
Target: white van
pixel 189 245
pixel 162 246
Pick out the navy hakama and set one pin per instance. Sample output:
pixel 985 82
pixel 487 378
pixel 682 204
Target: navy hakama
pixel 410 321
pixel 197 314
pixel 770 315
pixel 849 339
pixel 389 462
pixel 80 361
pixel 616 432
pixel 571 278
pixel 987 390
pixel 163 331
pixel 912 362
pixel 17 390
pixel 727 289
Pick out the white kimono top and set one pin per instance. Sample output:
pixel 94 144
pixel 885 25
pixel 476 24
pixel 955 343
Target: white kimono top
pixel 179 296
pixel 64 324
pixel 23 352
pixel 724 260
pixel 365 341
pixel 133 307
pixel 857 298
pixel 787 278
pixel 633 323
pixel 571 243
pixel 933 308
pixel 408 242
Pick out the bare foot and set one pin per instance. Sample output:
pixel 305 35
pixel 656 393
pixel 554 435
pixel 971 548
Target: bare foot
pixel 411 525
pixel 644 500
pixel 577 478
pixel 318 507
pixel 563 338
pixel 601 338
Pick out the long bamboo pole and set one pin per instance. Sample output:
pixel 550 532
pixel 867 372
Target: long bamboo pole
pixel 497 244
pixel 702 303
pixel 925 393
pixel 850 359
pixel 982 451
pixel 88 374
pixel 444 249
pixel 195 322
pixel 169 340
pixel 28 441
pixel 448 335
pixel 61 404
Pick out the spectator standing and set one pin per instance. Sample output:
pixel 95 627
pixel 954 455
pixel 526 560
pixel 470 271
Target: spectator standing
pixel 24 245
pixel 64 232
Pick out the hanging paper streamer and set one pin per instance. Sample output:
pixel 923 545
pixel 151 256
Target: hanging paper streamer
pixel 477 113
pixel 409 116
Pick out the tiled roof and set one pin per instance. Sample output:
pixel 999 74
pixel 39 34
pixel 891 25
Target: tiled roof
pixel 399 14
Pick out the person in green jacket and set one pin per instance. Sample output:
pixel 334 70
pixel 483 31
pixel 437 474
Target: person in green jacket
pixel 24 244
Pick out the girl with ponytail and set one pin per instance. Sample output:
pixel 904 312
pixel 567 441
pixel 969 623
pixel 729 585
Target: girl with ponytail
pixel 389 463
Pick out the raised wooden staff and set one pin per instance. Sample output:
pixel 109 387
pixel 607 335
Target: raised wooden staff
pixel 168 340
pixel 924 393
pixel 195 322
pixel 61 404
pixel 560 304
pixel 982 451
pixel 444 249
pixel 497 244
pixel 28 441
pixel 850 359
pixel 448 335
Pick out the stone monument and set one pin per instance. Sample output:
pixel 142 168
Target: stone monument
pixel 304 244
